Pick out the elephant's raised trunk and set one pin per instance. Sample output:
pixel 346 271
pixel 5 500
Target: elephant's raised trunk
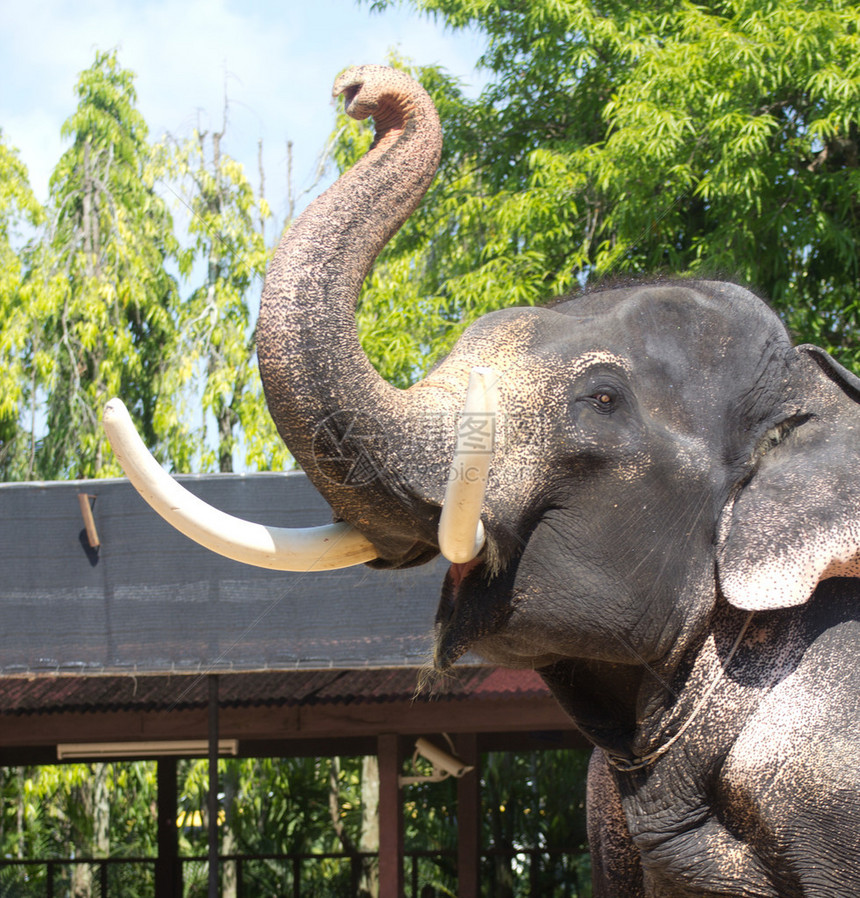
pixel 379 455
pixel 355 435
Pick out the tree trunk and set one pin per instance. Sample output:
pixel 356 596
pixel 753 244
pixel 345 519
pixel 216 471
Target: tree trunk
pixel 101 811
pixel 94 798
pixel 19 813
pixel 229 842
pixel 226 418
pixel 369 838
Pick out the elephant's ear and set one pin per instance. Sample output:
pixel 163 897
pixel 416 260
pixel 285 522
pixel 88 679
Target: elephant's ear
pixel 796 521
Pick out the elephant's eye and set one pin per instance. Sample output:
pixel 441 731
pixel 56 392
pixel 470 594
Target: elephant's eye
pixel 603 400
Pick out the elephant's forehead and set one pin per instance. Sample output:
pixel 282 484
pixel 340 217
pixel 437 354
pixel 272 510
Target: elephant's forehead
pixel 662 333
pixel 674 321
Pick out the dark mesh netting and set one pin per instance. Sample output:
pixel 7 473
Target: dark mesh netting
pixel 151 601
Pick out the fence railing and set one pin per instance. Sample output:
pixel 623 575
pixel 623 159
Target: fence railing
pixel 50 885
pixel 49 877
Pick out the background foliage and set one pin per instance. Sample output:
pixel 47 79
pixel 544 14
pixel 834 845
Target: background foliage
pixel 533 829
pixel 615 139
pixel 91 297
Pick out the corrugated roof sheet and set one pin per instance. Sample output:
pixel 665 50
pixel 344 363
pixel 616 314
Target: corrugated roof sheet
pixel 51 695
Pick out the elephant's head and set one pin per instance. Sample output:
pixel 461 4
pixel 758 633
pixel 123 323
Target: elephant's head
pixel 655 444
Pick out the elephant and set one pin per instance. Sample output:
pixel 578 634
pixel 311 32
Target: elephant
pixel 669 531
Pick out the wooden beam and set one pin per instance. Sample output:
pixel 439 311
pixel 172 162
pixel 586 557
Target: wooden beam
pixel 167 869
pixel 85 501
pixel 212 798
pixel 469 819
pixel 390 818
pixel 39 753
pixel 521 714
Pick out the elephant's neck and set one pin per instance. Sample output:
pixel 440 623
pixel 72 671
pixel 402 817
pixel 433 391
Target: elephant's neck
pixel 600 697
pixel 635 713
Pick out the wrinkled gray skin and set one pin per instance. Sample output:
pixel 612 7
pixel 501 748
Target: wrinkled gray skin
pixel 673 527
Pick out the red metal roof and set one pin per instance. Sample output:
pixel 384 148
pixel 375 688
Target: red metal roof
pixel 57 694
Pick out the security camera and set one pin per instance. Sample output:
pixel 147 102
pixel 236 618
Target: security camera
pixel 441 760
pixel 444 764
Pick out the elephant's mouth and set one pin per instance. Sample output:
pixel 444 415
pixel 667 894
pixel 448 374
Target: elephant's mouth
pixel 470 610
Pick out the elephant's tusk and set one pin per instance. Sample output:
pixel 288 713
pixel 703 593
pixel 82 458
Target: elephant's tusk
pixel 461 531
pixel 279 548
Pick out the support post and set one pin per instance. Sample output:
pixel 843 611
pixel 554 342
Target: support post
pixel 213 786
pixel 168 873
pixel 469 819
pixel 390 818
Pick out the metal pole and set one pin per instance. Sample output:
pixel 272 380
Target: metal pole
pixel 213 786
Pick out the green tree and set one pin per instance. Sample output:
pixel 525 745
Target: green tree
pixel 213 358
pixel 534 824
pixel 20 215
pixel 102 300
pixel 48 812
pixel 619 138
pixel 279 806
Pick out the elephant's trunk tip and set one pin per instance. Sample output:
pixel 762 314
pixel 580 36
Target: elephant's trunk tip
pixel 389 95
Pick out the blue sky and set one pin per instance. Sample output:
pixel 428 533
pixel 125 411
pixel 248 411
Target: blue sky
pixel 277 61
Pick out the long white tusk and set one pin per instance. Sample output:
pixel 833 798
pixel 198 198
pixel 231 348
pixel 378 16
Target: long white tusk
pixel 461 531
pixel 279 548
